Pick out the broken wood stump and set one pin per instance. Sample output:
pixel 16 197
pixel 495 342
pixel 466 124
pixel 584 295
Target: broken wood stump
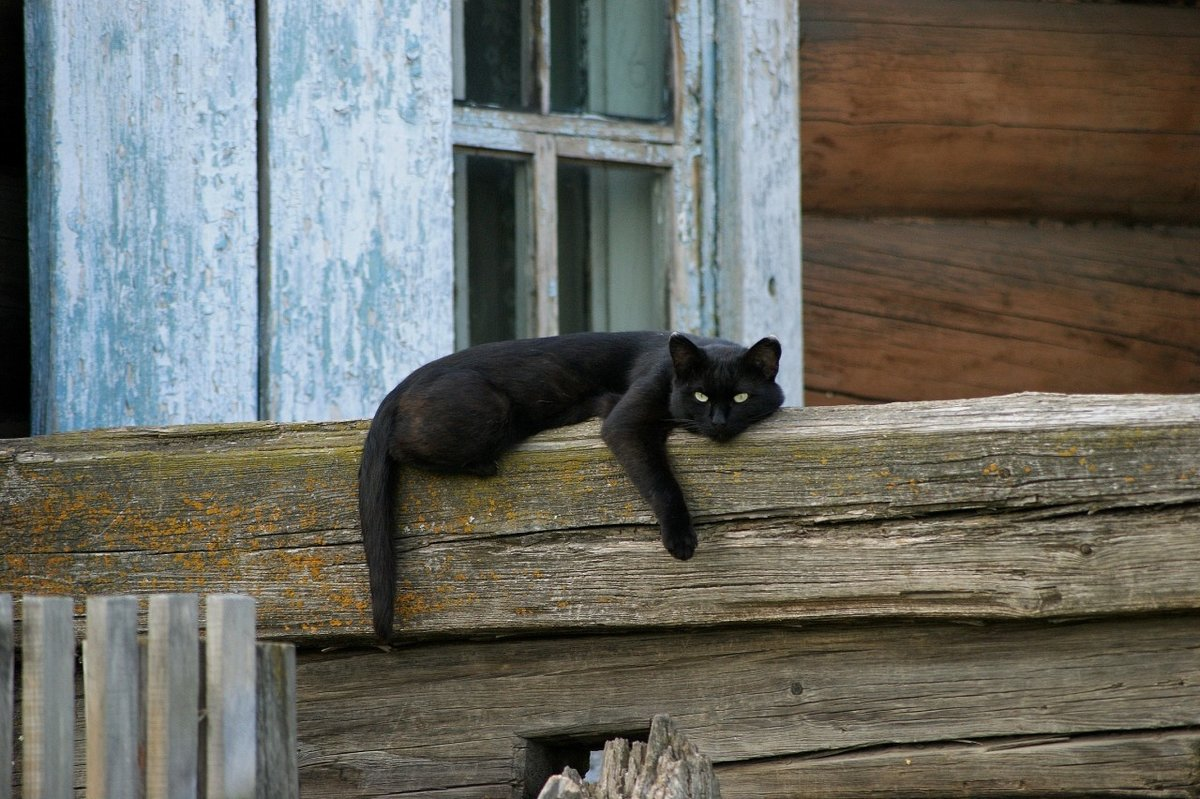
pixel 666 766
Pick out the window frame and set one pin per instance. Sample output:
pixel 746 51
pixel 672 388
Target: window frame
pixel 679 147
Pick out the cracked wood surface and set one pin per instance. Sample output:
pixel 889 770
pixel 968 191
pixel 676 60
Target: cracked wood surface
pixel 1106 706
pixel 1018 507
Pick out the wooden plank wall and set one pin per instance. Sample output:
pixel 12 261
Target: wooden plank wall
pixel 936 310
pixel 925 124
pixel 245 214
pixel 758 175
pixel 143 185
pixel 935 599
pixel 357 262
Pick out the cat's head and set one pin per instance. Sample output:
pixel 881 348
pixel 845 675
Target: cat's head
pixel 720 389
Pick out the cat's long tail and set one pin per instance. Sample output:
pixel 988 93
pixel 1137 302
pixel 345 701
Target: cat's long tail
pixel 376 516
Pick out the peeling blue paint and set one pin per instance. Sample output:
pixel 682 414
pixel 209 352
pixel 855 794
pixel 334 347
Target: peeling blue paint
pixel 358 173
pixel 140 319
pixel 144 208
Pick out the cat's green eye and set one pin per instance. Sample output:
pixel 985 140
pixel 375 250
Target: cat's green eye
pixel 700 396
pixel 741 397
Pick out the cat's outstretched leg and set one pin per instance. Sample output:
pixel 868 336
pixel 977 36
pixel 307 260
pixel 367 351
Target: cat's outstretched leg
pixel 637 435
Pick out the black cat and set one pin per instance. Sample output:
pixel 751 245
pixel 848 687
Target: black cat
pixel 460 413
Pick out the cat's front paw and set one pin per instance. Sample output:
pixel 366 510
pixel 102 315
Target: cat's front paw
pixel 680 541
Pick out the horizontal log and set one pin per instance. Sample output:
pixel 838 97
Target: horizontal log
pixel 1154 764
pixel 951 108
pixel 762 702
pixel 918 310
pixel 1031 506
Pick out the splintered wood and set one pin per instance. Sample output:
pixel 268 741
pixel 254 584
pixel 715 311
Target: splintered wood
pixel 665 766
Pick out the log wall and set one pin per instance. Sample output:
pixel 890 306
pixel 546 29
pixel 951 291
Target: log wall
pixel 989 108
pixel 1077 124
pixel 936 309
pixel 938 599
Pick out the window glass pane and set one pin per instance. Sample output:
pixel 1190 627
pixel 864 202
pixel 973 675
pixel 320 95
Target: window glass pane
pixel 610 57
pixel 574 299
pixel 492 284
pixel 611 248
pixel 492 53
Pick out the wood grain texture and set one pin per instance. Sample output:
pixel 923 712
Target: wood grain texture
pixel 277 768
pixel 763 695
pixel 8 650
pixel 1069 110
pixel 112 696
pixel 908 310
pixel 143 212
pixel 47 697
pixel 360 273
pixel 1030 506
pixel 172 697
pixel 230 698
pixel 1152 764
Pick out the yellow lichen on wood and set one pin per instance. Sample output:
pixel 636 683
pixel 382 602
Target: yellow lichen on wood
pixel 799 519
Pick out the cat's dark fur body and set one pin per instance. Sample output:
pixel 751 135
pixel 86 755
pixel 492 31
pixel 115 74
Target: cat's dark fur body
pixel 460 413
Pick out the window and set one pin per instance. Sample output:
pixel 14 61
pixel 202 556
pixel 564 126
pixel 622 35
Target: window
pixel 612 171
pixel 569 125
pixel 611 260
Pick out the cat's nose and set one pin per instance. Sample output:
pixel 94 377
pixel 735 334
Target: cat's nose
pixel 719 416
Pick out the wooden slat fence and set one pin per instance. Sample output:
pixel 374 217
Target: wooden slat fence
pixel 166 719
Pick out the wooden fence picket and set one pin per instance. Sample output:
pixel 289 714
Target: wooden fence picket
pixel 48 697
pixel 172 697
pixel 278 766
pixel 111 688
pixel 167 699
pixel 7 653
pixel 230 697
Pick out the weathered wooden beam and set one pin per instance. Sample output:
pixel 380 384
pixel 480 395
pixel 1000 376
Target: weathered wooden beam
pixel 1027 506
pixel 867 696
pixel 1148 764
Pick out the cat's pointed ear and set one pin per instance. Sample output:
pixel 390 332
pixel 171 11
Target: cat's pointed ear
pixel 763 357
pixel 685 355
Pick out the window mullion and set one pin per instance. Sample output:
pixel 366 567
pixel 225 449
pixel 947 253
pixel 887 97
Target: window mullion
pixel 462 281
pixel 599 248
pixel 545 234
pixel 541 64
pixel 458 49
